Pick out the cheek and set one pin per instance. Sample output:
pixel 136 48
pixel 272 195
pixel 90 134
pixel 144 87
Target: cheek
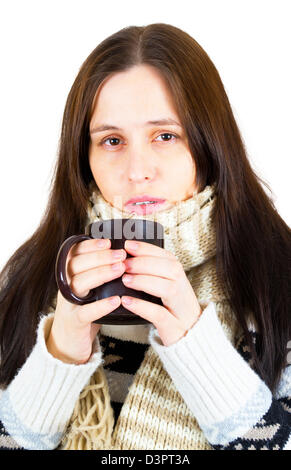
pixel 181 167
pixel 98 165
pixel 189 167
pixel 106 178
pixel 181 173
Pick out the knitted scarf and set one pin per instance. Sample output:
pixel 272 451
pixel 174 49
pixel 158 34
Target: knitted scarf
pixel 188 233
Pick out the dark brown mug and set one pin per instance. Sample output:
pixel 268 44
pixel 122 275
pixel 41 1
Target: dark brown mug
pixel 117 230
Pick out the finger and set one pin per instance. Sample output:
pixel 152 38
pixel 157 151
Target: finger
pixel 88 246
pixel 167 325
pixel 152 285
pixel 165 267
pixel 146 248
pixel 83 282
pixel 96 310
pixel 86 261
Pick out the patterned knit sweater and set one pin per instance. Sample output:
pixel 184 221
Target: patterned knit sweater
pixel 199 393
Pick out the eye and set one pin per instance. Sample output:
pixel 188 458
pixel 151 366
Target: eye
pixel 113 139
pixel 168 134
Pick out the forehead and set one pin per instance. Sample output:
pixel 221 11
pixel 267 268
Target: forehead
pixel 135 96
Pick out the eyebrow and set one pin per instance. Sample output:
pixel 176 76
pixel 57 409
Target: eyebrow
pixel 159 122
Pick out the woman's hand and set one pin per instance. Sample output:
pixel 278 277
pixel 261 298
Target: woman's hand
pixel 72 333
pixel 158 272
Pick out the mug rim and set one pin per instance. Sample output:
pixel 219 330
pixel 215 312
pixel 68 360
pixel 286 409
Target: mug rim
pixel 154 230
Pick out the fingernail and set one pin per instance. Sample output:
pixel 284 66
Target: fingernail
pixel 116 266
pixel 114 300
pixel 131 245
pixel 101 243
pixel 118 254
pixel 127 300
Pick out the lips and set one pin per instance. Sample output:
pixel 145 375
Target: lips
pixel 143 209
pixel 144 198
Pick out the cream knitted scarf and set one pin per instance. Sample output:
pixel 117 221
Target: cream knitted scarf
pixel 189 234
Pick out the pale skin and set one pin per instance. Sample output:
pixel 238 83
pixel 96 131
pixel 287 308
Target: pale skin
pixel 133 160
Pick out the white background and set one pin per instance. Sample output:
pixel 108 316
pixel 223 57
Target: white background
pixel 44 43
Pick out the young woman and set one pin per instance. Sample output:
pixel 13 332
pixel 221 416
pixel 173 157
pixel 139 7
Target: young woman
pixel 148 115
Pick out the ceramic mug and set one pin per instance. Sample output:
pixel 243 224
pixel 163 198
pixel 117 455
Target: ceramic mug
pixel 117 230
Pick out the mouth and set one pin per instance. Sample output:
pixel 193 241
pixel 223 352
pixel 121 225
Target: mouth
pixel 144 206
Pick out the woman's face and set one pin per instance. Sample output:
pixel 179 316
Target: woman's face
pixel 139 158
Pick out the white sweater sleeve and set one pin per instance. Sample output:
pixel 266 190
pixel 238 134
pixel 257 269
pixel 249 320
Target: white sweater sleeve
pixel 36 406
pixel 224 394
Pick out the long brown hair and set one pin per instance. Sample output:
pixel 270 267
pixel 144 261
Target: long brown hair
pixel 253 241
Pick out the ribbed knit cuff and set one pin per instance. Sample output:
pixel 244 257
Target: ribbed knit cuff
pixel 39 401
pixel 224 394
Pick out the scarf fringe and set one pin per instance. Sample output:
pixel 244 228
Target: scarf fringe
pixel 92 421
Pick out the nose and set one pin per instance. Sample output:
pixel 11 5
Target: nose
pixel 141 166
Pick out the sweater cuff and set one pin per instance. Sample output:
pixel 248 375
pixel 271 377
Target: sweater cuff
pixel 38 403
pixel 225 395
